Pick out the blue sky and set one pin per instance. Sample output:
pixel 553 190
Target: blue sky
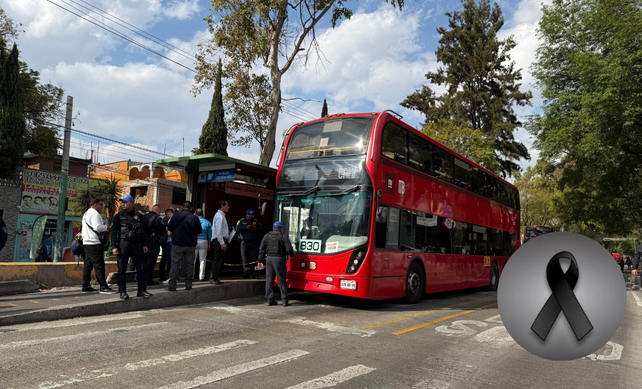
pixel 372 62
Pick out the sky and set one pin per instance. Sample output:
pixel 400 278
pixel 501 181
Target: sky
pixel 123 92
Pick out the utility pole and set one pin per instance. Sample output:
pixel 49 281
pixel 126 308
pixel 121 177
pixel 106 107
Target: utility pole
pixel 62 196
pixel 183 147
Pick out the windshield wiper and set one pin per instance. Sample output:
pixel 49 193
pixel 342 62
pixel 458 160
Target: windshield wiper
pixel 345 192
pixel 316 188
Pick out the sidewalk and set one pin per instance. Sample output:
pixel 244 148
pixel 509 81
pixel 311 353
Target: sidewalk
pixel 69 302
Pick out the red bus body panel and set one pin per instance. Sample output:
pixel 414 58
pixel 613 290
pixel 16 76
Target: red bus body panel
pixel 382 273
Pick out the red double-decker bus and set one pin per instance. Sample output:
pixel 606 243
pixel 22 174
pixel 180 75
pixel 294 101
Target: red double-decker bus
pixel 375 209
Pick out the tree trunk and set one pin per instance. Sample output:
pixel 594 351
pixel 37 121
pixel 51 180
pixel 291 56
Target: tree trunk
pixel 268 149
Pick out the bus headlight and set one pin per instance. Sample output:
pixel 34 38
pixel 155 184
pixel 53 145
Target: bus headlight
pixel 356 259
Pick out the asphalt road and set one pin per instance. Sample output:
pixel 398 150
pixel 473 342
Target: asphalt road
pixel 451 340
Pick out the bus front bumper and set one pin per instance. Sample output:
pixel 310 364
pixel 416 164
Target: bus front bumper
pixel 343 285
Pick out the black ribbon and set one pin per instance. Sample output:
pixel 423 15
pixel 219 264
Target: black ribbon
pixel 562 300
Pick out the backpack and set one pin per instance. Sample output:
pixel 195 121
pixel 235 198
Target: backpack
pixel 76 247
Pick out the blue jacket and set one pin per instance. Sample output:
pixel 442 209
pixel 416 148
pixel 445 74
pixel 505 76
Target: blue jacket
pixel 247 235
pixel 207 229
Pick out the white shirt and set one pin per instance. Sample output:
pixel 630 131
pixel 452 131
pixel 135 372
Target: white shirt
pixel 220 230
pixel 92 218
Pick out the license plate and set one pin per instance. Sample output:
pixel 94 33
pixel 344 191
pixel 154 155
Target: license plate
pixel 349 284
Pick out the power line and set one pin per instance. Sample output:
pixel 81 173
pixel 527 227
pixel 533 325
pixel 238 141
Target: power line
pixel 111 140
pixel 109 144
pixel 109 29
pixel 294 115
pixel 292 105
pixel 155 39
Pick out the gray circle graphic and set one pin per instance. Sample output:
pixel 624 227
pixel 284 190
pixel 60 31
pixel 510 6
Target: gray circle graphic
pixel 524 289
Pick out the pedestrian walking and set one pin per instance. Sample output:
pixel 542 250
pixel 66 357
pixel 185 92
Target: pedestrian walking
pixel 128 240
pixel 220 239
pixel 250 232
pixel 273 255
pixel 94 248
pixel 203 244
pixel 637 258
pixel 166 244
pixel 628 262
pixel 155 229
pixel 185 227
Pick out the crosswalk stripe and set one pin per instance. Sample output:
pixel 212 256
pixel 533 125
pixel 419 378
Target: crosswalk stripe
pixel 189 354
pixel 637 299
pixel 34 342
pixel 76 322
pixel 335 378
pixel 229 372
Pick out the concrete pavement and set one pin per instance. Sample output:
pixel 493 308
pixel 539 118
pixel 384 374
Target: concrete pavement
pixel 69 302
pixel 453 340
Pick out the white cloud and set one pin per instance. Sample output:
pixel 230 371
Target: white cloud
pixel 182 9
pixel 371 59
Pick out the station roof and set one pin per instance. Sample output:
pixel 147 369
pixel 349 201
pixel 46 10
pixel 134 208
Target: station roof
pixel 193 163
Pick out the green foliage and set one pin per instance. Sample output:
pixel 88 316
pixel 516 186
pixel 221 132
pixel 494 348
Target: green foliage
pixel 588 68
pixel 324 110
pixel 471 143
pixel 12 121
pixel 271 33
pixel 213 137
pixel 536 195
pixel 108 190
pixel 480 79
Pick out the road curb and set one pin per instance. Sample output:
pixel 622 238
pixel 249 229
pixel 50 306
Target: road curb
pixel 8 288
pixel 201 295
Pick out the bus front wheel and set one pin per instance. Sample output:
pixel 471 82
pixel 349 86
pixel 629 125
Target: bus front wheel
pixel 494 277
pixel 414 284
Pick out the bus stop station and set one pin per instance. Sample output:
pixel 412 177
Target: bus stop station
pixel 244 185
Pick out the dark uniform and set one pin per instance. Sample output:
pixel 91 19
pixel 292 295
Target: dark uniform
pixel 637 258
pixel 250 241
pixel 155 229
pixel 128 236
pixel 276 246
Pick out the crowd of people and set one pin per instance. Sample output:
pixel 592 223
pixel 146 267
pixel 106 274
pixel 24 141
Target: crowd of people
pixel 184 238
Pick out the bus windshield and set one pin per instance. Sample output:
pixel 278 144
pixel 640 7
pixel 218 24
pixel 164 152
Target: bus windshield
pixel 324 223
pixel 331 138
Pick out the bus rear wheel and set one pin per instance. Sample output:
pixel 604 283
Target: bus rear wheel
pixel 494 277
pixel 414 284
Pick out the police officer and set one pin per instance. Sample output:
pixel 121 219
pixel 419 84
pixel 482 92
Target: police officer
pixel 128 240
pixel 637 258
pixel 155 229
pixel 277 247
pixel 250 232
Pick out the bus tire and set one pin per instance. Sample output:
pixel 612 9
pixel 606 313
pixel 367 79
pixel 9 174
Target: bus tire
pixel 494 277
pixel 415 284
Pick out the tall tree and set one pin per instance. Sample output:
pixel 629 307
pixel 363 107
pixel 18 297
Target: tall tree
pixel 213 137
pixel 324 110
pixel 482 84
pixel 590 129
pixel 470 143
pixel 271 33
pixel 12 121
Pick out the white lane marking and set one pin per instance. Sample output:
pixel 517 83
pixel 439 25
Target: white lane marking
pixel 297 320
pixel 495 319
pixel 335 378
pixel 614 355
pixel 458 328
pixel 76 322
pixel 432 384
pixel 497 335
pixel 189 354
pixel 81 377
pixel 229 372
pixel 330 327
pixel 637 299
pixel 34 342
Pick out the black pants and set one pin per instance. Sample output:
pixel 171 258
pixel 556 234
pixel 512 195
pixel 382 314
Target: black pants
pixel 166 261
pixel 150 260
pixel 217 263
pixel 94 259
pixel 276 267
pixel 135 251
pixel 250 255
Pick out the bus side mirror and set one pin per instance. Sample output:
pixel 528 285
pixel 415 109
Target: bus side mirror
pixel 263 208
